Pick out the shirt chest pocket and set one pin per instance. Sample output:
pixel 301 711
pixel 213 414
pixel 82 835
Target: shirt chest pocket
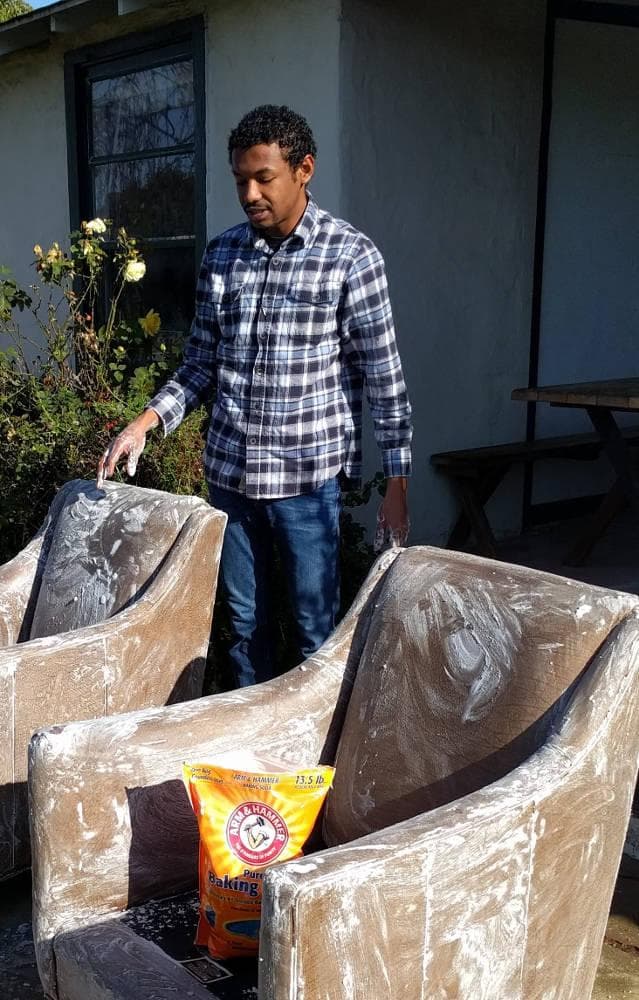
pixel 311 310
pixel 229 313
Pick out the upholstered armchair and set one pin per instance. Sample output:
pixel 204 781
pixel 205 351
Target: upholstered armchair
pixel 107 609
pixel 484 723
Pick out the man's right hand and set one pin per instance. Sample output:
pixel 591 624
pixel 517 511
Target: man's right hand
pixel 128 444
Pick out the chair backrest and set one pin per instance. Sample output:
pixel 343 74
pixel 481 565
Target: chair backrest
pixel 105 547
pixel 466 665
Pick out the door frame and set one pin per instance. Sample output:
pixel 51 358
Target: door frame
pixel 594 12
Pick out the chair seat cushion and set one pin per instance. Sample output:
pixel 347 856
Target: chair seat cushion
pixel 149 952
pixel 106 546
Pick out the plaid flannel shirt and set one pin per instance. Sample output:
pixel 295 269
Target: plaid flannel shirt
pixel 287 340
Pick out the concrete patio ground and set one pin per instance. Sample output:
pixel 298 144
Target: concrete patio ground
pixel 613 563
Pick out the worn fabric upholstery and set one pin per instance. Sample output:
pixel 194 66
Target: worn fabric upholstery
pixel 89 612
pixel 461 679
pixel 105 546
pixel 484 720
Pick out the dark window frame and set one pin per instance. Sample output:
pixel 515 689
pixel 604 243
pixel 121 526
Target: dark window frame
pixel 170 43
pixel 588 11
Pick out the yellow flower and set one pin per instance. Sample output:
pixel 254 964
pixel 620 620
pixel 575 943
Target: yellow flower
pixel 37 250
pixel 135 270
pixel 150 323
pixel 95 227
pixel 54 253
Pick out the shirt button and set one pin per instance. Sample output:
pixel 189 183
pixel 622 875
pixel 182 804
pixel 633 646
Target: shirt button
pixel 262 337
pixel 252 440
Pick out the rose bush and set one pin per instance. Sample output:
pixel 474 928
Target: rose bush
pixel 74 369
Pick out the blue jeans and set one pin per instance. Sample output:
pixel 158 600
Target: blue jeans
pixel 305 529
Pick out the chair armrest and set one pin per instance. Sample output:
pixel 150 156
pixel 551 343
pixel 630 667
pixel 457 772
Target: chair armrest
pixel 110 820
pixel 504 893
pixel 399 906
pixel 17 580
pixel 47 681
pixel 43 681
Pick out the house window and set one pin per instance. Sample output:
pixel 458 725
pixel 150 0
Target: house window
pixel 136 155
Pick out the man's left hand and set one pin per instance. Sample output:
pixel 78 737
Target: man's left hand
pixel 393 523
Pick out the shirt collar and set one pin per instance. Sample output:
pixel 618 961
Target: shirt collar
pixel 303 234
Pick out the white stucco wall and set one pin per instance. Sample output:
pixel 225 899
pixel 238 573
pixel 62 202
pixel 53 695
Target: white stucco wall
pixel 289 57
pixel 34 204
pixel 440 130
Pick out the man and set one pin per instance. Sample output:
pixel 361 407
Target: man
pixel 292 319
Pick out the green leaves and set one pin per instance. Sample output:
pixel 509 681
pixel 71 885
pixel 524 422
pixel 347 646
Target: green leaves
pixel 12 8
pixel 75 374
pixel 11 296
pixel 357 498
pixel 54 266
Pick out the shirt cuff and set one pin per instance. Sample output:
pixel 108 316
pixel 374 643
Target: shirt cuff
pixel 396 462
pixel 166 411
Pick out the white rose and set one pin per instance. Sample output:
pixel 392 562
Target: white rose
pixel 135 270
pixel 95 226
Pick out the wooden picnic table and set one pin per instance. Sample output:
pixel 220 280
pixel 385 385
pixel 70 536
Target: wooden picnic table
pixel 600 400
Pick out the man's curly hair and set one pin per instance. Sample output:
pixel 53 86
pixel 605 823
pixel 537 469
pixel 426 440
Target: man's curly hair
pixel 275 123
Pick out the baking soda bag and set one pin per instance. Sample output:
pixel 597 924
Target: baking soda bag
pixel 252 813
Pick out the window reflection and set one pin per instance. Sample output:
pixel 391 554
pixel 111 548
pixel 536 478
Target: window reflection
pixel 145 110
pixel 168 287
pixel 153 197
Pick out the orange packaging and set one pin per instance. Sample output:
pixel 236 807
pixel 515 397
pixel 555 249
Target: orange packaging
pixel 249 819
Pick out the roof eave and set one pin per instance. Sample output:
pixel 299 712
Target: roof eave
pixel 40 26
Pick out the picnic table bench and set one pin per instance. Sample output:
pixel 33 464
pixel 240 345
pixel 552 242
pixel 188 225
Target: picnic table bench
pixel 475 474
